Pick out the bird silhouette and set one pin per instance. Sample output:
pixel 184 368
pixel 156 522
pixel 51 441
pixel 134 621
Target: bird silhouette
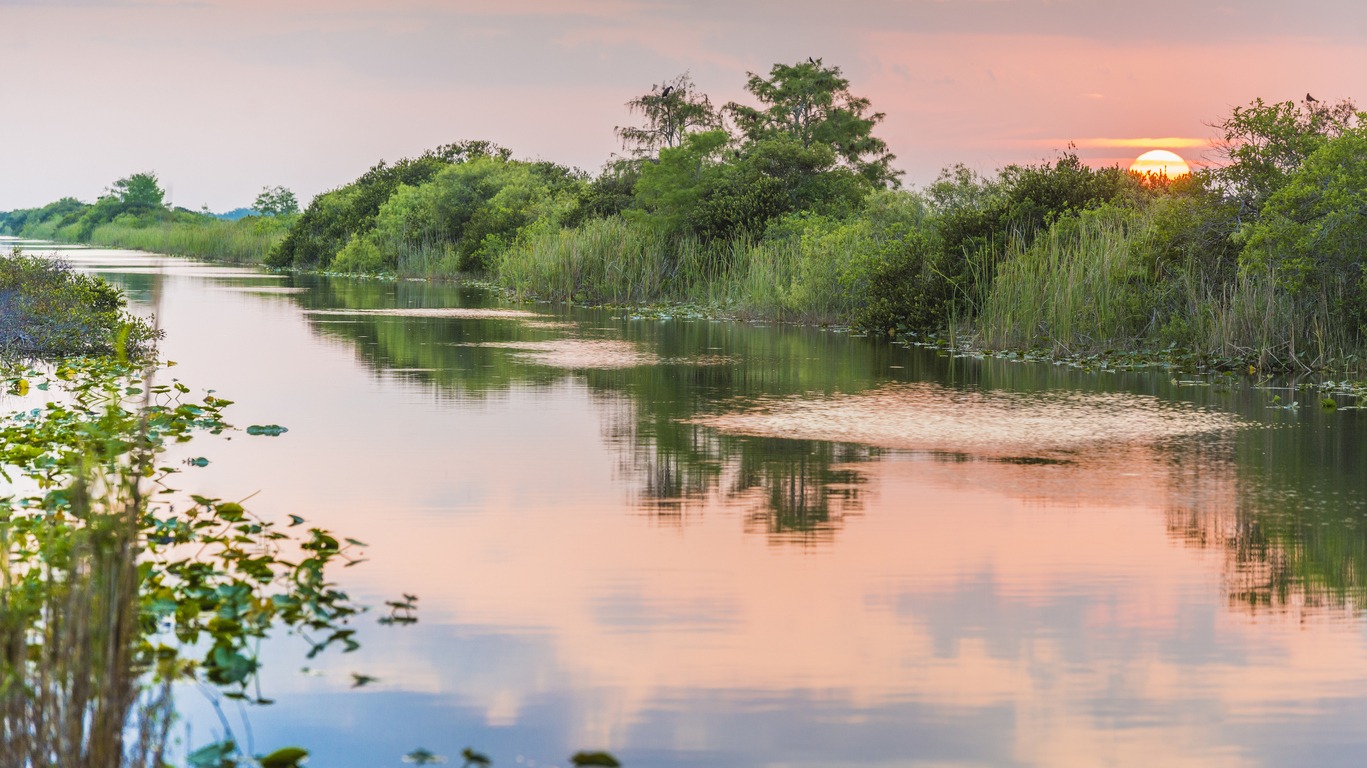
pixel 810 60
pixel 668 90
pixel 1311 99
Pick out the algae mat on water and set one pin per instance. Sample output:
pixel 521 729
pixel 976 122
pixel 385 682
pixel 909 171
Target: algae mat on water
pixel 930 417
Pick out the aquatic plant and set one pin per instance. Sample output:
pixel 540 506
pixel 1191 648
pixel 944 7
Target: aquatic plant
pixel 112 586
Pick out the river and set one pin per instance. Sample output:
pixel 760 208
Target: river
pixel 699 542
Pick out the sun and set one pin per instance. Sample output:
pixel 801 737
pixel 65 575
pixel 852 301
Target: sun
pixel 1161 162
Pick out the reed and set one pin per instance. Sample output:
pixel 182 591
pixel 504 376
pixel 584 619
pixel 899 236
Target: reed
pixel 246 241
pixel 1080 286
pixel 605 260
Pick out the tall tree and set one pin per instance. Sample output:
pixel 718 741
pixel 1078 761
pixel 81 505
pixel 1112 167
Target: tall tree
pixel 672 110
pixel 1265 144
pixel 812 104
pixel 276 201
pixel 138 192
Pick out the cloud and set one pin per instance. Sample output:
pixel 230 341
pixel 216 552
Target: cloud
pixel 1104 143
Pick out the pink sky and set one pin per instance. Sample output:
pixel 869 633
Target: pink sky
pixel 223 97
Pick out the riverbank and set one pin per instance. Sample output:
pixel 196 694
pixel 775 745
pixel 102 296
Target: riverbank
pixel 1242 266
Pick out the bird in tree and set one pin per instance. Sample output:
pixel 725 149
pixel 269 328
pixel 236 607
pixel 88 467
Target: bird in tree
pixel 672 110
pixel 812 104
pixel 1311 99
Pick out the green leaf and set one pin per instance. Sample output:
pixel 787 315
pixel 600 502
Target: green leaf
pixel 285 757
pixel 217 755
pixel 602 759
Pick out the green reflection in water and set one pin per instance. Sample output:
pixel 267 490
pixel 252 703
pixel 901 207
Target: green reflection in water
pixel 1282 499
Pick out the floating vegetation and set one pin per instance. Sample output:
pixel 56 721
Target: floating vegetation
pixel 460 313
pixel 576 354
pixel 266 289
pixel 267 430
pixel 549 325
pixel 1008 425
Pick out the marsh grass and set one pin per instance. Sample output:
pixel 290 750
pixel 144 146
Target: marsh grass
pixel 1253 318
pixel 1079 286
pixel 246 241
pixel 615 261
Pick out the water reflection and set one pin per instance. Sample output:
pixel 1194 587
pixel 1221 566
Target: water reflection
pixel 806 551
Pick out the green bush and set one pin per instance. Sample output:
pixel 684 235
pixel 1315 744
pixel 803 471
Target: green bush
pixel 48 310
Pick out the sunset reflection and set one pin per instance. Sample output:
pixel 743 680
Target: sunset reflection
pixel 743 563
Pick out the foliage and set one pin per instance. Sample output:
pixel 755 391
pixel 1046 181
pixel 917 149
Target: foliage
pixel 106 583
pixel 28 220
pixel 1311 235
pixel 811 104
pixel 669 190
pixel 47 309
pixel 609 194
pixel 771 178
pixel 672 110
pixel 138 193
pixel 977 219
pixel 334 218
pixel 276 201
pixel 468 214
pixel 1264 144
pixel 1192 227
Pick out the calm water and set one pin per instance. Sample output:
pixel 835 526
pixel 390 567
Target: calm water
pixel 711 543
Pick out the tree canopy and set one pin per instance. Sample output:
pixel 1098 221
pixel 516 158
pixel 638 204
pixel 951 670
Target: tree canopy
pixel 812 104
pixel 138 193
pixel 671 111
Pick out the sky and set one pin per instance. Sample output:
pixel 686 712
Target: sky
pixel 221 98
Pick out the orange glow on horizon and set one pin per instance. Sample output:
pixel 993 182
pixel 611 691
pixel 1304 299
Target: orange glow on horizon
pixel 1161 162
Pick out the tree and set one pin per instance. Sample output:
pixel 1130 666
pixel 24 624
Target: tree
pixel 1312 232
pixel 670 188
pixel 138 193
pixel 276 201
pixel 1265 144
pixel 672 110
pixel 812 104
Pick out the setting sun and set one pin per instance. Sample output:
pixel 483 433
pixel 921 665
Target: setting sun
pixel 1161 161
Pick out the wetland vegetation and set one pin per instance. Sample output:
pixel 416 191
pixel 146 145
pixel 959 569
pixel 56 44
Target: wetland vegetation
pixel 789 208
pixel 115 586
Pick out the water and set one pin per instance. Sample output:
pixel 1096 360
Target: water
pixel 709 543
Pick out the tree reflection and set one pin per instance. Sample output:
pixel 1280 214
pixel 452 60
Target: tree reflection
pixel 807 489
pixel 1292 525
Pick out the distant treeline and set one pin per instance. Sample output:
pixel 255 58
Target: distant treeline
pixel 133 213
pixel 789 208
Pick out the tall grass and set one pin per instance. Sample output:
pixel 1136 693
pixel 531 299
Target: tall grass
pixel 69 636
pixel 815 279
pixel 605 260
pixel 1080 286
pixel 1254 318
pixel 246 241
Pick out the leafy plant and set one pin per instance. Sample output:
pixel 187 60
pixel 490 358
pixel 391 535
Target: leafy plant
pixel 107 590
